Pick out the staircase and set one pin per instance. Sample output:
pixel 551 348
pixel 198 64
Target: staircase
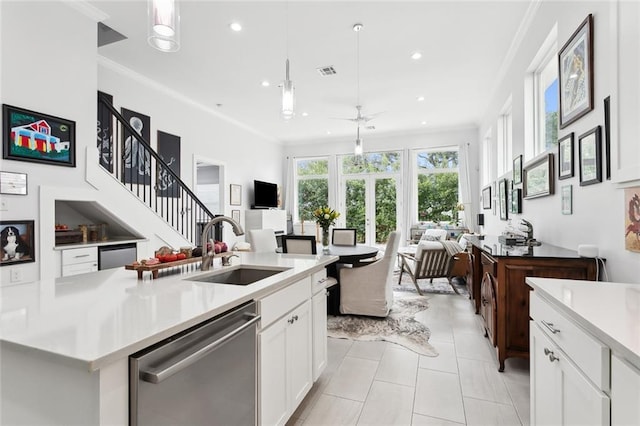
pixel 131 160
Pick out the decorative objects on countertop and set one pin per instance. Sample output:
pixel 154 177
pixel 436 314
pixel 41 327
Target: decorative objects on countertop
pixel 38 138
pixel 154 265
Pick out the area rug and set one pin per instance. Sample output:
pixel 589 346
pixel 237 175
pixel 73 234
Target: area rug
pixel 439 285
pixel 398 327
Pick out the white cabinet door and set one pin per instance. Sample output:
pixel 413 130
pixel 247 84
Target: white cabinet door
pixel 560 392
pixel 544 389
pixel 273 371
pixel 285 365
pixel 319 309
pixel 299 354
pixel 625 393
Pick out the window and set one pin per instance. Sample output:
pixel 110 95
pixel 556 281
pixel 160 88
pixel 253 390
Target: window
pixel 546 102
pixel 437 185
pixel 541 99
pixel 312 186
pixel 486 159
pixel 505 140
pixel 370 189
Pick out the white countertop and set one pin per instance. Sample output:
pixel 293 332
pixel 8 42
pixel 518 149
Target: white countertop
pixel 110 242
pixel 94 319
pixel 609 311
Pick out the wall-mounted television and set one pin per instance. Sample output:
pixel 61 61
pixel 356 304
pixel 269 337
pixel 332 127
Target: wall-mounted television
pixel 265 195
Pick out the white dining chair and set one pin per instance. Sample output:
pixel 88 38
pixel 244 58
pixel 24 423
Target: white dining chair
pixel 343 237
pixel 299 244
pixel 263 240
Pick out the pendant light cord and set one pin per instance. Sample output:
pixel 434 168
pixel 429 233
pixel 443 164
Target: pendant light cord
pixel 358 68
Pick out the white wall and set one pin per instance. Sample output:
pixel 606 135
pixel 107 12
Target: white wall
pixel 54 70
pixel 51 69
pixel 598 210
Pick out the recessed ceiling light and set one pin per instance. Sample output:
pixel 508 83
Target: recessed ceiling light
pixel 423 122
pixel 235 26
pixel 420 98
pixel 265 83
pixel 416 55
pixel 328 132
pixel 305 114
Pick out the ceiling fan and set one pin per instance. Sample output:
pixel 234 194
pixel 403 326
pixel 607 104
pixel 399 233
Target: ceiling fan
pixel 359 118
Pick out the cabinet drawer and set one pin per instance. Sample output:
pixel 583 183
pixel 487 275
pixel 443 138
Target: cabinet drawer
pixel 589 354
pixel 320 281
pixel 488 264
pixel 279 303
pixel 79 255
pixel 79 268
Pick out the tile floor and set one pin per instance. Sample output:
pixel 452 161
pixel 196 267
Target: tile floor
pixel 380 383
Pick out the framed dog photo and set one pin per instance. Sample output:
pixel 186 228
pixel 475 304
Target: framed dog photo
pixel 17 242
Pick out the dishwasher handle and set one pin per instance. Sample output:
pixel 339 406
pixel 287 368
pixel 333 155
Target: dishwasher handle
pixel 155 376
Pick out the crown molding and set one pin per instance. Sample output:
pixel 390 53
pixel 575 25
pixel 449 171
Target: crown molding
pixel 87 9
pixel 516 42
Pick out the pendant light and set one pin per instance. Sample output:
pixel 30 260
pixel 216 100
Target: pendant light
pixel 287 85
pixel 164 25
pixel 358 149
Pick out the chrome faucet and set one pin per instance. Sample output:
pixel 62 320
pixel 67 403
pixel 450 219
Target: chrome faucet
pixel 529 229
pixel 207 259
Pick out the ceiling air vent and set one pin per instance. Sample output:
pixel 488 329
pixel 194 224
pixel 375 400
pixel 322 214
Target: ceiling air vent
pixel 328 70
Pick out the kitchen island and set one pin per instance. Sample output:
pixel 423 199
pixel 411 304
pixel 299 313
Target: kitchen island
pixel 585 352
pixel 65 342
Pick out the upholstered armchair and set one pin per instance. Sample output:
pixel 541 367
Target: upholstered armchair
pixel 433 259
pixel 367 290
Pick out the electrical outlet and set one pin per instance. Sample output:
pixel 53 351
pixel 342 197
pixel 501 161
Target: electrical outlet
pixel 16 275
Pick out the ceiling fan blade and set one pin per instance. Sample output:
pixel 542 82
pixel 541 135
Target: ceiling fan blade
pixel 370 117
pixel 355 120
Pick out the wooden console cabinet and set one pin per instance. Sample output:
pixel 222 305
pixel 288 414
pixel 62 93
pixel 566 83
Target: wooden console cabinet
pixel 499 292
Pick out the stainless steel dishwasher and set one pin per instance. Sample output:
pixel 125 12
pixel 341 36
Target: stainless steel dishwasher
pixel 205 375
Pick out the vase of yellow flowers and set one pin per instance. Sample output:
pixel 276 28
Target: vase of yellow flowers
pixel 325 217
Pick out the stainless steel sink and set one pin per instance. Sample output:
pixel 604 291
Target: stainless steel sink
pixel 243 275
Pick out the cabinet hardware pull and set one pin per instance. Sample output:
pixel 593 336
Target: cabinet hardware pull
pixel 550 326
pixel 551 355
pixel 322 280
pixel 81 255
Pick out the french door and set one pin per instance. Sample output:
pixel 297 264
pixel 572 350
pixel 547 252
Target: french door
pixel 369 204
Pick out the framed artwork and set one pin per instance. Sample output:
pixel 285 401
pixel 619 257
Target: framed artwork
pixel 565 157
pixel 538 177
pixel 607 137
pixel 137 160
pixel 502 198
pixel 566 197
pixel 37 138
pixel 515 201
pixel 13 183
pixel 575 62
pixel 517 170
pixel 235 215
pixel 105 131
pixel 590 148
pixel 236 195
pixel 17 242
pixel 169 151
pixel 632 218
pixel 486 198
